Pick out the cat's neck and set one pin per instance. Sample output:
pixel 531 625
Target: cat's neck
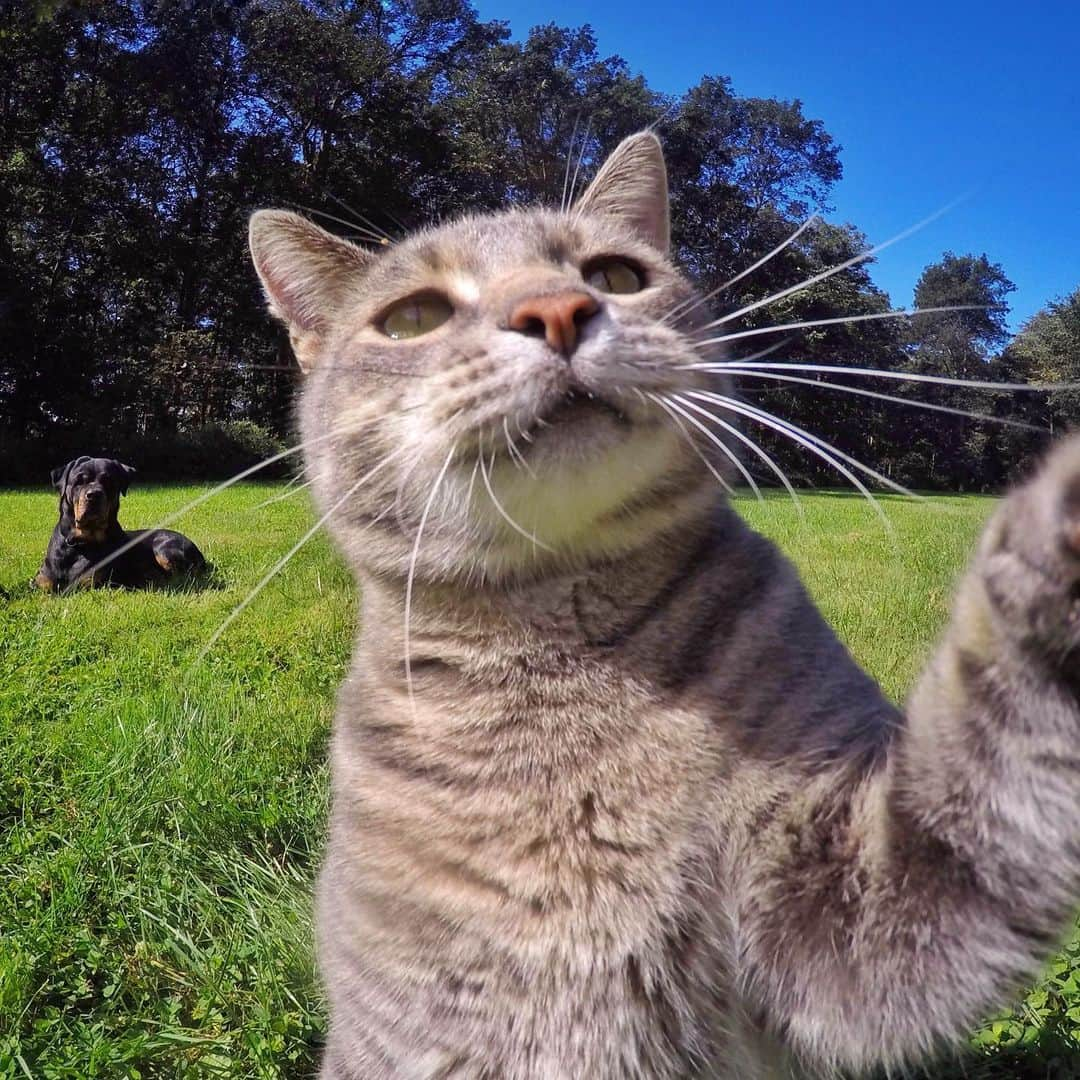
pixel 516 677
pixel 597 604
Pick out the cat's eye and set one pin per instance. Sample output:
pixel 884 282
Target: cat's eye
pixel 614 276
pixel 415 315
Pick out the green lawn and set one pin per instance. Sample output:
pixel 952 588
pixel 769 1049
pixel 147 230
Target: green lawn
pixel 160 822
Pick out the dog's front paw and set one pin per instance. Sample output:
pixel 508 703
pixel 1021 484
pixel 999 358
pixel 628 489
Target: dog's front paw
pixel 1030 556
pixel 43 582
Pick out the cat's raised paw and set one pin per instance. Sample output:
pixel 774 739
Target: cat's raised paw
pixel 1030 557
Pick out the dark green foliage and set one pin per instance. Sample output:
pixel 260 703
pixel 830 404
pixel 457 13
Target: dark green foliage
pixel 936 450
pixel 1047 349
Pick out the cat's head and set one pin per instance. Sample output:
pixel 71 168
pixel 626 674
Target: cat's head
pixel 492 379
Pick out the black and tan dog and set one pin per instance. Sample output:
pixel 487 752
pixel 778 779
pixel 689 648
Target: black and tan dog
pixel 88 546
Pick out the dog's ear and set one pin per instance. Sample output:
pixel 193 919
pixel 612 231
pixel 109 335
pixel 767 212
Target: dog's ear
pixel 60 475
pixel 126 473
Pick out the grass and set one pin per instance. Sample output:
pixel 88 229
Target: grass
pixel 160 822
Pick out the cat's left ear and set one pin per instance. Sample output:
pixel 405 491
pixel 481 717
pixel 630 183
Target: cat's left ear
pixel 305 271
pixel 632 186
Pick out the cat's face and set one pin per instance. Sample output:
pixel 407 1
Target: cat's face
pixel 495 373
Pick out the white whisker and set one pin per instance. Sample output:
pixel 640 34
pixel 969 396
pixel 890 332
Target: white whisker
pixel 903 313
pixel 673 107
pixel 563 204
pixel 407 642
pixel 581 158
pixel 362 232
pixel 399 492
pixel 406 476
pixel 293 489
pixel 854 462
pixel 824 274
pixel 708 365
pixel 511 447
pixel 810 442
pixel 485 476
pixel 913 403
pixel 900 376
pixel 718 442
pixel 776 347
pixel 760 451
pixel 384 237
pixel 690 439
pixel 298 477
pixel 517 423
pixel 694 304
pixel 284 560
pixel 472 481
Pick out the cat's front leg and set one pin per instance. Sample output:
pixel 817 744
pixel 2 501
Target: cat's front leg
pixel 884 910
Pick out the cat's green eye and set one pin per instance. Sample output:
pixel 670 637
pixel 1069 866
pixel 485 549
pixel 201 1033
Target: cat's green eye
pixel 415 315
pixel 615 276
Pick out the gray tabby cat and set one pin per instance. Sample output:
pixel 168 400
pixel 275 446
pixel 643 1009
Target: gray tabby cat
pixel 610 799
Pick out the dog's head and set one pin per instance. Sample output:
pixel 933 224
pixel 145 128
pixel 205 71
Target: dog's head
pixel 91 487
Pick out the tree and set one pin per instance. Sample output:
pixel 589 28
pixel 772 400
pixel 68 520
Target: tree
pixel 1047 350
pixel 531 117
pixel 936 449
pixel 136 138
pixel 979 285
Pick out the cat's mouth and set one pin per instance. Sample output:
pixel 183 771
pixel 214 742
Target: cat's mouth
pixel 572 423
pixel 579 404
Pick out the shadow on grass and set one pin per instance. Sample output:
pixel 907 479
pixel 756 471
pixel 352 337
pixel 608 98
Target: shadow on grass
pixel 207 580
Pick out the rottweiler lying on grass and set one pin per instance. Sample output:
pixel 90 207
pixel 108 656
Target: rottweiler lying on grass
pixel 88 533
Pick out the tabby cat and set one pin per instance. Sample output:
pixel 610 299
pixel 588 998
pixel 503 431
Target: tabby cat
pixel 610 799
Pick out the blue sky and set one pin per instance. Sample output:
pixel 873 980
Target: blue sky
pixel 928 101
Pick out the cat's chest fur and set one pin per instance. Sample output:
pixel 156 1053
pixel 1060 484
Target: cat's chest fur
pixel 544 812
pixel 545 758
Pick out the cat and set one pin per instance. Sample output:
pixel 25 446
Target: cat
pixel 609 797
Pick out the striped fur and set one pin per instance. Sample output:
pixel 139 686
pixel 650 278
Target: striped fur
pixel 620 804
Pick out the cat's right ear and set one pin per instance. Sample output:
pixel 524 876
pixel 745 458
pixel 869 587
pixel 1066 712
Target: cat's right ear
pixel 305 272
pixel 632 187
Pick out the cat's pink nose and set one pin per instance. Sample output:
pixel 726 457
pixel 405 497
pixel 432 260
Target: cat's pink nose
pixel 555 318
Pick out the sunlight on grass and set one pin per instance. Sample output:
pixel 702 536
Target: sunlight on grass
pixel 161 824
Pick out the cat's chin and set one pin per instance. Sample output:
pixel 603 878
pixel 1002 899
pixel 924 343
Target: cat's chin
pixel 583 437
pixel 580 480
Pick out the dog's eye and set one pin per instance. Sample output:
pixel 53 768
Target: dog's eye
pixel 415 315
pixel 614 276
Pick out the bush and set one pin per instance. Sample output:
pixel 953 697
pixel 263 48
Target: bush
pixel 214 452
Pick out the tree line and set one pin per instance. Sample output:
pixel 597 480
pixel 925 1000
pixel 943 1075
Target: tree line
pixel 136 137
